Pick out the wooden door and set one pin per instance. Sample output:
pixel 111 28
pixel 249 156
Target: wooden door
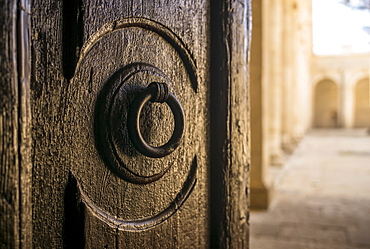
pixel 79 168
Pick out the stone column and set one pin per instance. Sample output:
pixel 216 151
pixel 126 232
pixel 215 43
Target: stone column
pixel 288 65
pixel 295 108
pixel 259 193
pixel 302 80
pixel 296 64
pixel 346 104
pixel 272 50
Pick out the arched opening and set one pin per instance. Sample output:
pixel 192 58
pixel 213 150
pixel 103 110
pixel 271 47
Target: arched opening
pixel 362 104
pixel 326 104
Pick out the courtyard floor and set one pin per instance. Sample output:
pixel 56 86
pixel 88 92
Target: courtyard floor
pixel 322 197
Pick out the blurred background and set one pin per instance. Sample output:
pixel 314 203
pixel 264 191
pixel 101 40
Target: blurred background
pixel 310 124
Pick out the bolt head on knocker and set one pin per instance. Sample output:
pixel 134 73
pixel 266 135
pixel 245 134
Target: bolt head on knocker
pixel 155 92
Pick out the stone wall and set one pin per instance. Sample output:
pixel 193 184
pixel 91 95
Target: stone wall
pixel 350 74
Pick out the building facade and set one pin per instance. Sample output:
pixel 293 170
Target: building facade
pixel 293 90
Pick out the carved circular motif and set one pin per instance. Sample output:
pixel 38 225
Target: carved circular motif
pixel 112 117
pixel 148 190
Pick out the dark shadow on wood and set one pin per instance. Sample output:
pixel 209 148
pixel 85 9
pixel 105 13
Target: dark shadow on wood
pixel 73 30
pixel 219 120
pixel 74 223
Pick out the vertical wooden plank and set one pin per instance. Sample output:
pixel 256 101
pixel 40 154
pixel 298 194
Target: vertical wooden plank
pixel 58 129
pixel 188 227
pixel 15 167
pixel 62 104
pixel 48 96
pixel 24 120
pixel 230 36
pixel 9 161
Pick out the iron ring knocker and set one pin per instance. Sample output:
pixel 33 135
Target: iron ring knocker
pixel 155 92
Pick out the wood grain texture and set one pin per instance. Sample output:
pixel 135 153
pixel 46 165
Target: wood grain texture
pixel 48 95
pixel 9 162
pixel 64 103
pixel 15 164
pixel 24 120
pixel 76 190
pixel 230 153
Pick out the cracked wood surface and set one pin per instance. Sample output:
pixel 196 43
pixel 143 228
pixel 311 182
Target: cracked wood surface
pixel 88 59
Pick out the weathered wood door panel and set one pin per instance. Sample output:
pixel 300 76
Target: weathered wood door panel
pixel 108 53
pixel 91 185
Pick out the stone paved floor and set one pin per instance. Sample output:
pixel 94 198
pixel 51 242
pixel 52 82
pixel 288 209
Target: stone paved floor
pixel 322 199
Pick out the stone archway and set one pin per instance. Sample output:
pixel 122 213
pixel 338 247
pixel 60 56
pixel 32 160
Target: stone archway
pixel 362 103
pixel 326 104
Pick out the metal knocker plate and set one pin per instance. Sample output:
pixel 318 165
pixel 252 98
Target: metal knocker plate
pixel 155 92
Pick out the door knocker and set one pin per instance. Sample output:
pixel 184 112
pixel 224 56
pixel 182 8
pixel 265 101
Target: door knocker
pixel 155 92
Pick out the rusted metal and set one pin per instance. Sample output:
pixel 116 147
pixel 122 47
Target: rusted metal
pixel 155 92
